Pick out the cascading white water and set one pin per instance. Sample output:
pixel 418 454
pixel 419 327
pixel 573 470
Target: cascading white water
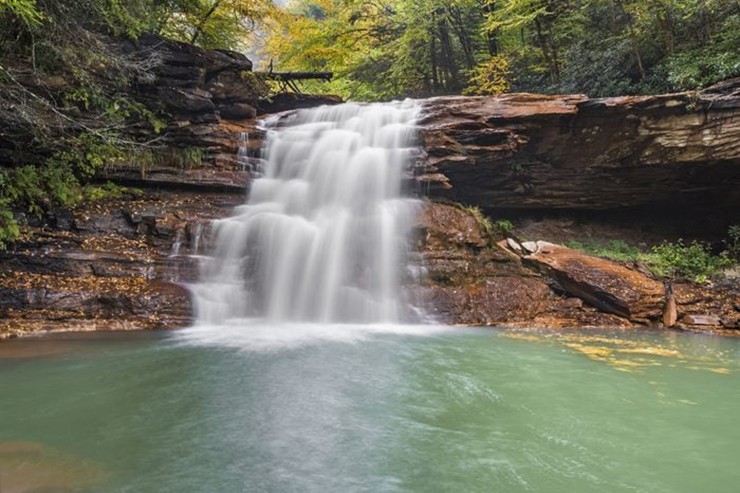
pixel 323 236
pixel 242 155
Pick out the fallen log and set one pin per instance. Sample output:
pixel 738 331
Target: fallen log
pixel 287 80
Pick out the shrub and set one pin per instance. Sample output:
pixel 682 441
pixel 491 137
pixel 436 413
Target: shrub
pixel 504 226
pixel 487 228
pixel 490 77
pixel 732 243
pixel 693 260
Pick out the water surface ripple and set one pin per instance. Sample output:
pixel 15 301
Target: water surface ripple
pixel 372 409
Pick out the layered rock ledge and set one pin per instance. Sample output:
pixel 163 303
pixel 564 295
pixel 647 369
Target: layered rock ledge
pixel 525 151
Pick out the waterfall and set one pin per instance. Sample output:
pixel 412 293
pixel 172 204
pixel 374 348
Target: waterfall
pixel 324 234
pixel 242 155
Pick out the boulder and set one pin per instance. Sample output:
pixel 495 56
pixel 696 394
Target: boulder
pixel 447 226
pixel 604 284
pixel 670 311
pixel 494 300
pixel 238 111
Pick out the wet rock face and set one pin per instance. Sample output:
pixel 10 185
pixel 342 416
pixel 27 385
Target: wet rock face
pixel 207 98
pixel 210 101
pixel 470 280
pixel 526 151
pixel 125 264
pixel 114 265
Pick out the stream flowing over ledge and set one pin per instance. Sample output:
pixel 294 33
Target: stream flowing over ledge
pixel 552 161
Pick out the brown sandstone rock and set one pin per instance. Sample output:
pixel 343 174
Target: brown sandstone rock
pixel 495 300
pixel 450 225
pixel 526 151
pixel 115 265
pixel 697 319
pixel 670 312
pixel 602 283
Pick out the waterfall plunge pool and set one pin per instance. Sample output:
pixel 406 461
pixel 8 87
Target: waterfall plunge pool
pixel 370 408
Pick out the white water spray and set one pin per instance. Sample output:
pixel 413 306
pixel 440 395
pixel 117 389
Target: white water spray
pixel 323 237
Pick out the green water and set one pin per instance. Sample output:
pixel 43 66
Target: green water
pixel 347 410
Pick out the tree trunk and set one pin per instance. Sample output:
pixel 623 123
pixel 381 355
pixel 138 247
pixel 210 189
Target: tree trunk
pixel 448 57
pixel 634 44
pixel 202 23
pixel 489 8
pixel 433 60
pixel 544 46
pixel 462 35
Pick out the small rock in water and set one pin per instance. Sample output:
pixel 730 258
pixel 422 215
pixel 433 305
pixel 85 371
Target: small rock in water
pixel 27 467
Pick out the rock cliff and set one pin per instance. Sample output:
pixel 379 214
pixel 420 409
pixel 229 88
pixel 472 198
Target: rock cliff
pixel 525 151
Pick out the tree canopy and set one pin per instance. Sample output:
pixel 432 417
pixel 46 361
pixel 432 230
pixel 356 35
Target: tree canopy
pixel 393 48
pixel 65 85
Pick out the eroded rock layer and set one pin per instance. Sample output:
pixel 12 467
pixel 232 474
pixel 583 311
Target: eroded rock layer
pixel 527 151
pixel 116 265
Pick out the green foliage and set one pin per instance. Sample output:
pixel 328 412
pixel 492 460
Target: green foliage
pixel 87 153
pixel 380 50
pixel 33 189
pixel 704 64
pixel 490 77
pixel 395 48
pixel 144 159
pixel 210 23
pixel 9 230
pixel 38 188
pixel 504 226
pixel 615 249
pixel 24 10
pixel 108 191
pixel 733 242
pixel 693 260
